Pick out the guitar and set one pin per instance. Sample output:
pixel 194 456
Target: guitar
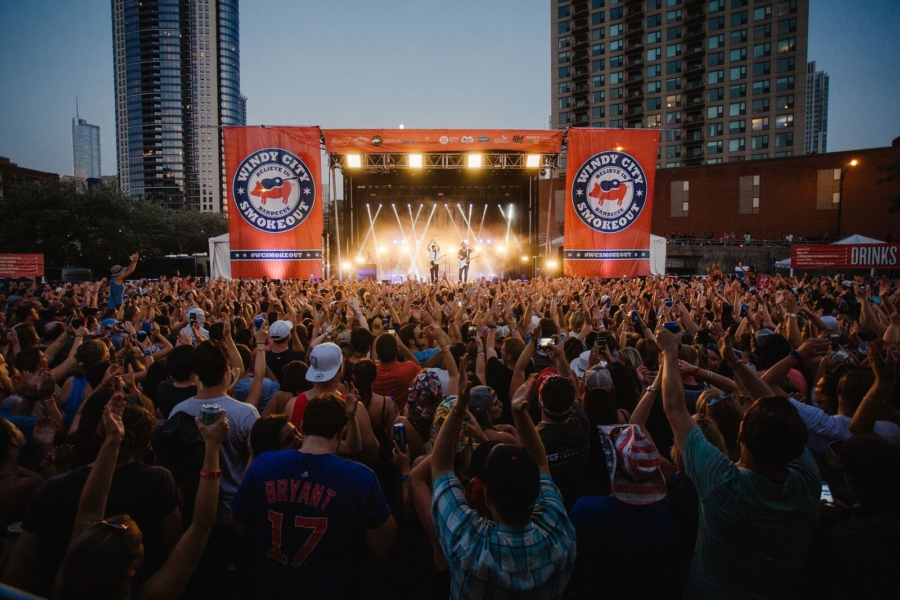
pixel 464 262
pixel 434 263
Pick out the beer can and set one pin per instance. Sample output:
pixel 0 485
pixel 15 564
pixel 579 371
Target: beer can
pixel 209 413
pixel 400 435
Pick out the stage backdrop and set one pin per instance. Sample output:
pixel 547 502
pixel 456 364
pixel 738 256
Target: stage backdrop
pixel 373 141
pixel 274 202
pixel 609 202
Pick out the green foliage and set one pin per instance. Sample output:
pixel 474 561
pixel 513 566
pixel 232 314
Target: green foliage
pixel 99 227
pixel 893 174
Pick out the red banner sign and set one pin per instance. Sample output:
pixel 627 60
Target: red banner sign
pixel 374 141
pixel 21 265
pixel 609 202
pixel 845 256
pixel 763 281
pixel 274 202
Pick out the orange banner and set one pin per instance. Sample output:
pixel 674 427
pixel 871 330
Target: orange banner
pixel 373 141
pixel 274 202
pixel 609 202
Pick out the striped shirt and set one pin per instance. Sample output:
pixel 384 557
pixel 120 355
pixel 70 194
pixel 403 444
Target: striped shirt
pixel 491 560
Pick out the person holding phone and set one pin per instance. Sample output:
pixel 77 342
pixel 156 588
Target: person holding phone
pixel 117 276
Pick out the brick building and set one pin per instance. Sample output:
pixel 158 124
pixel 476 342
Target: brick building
pixel 800 195
pixel 12 174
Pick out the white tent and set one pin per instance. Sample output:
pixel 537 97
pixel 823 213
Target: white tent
pixel 220 257
pixel 657 253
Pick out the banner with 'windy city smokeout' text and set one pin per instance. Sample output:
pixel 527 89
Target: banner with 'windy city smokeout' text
pixel 609 202
pixel 274 202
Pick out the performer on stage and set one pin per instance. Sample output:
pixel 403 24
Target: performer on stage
pixel 433 258
pixel 465 256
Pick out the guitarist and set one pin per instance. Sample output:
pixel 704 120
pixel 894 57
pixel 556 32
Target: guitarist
pixel 434 256
pixel 464 256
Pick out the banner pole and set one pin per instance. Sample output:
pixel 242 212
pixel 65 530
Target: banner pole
pixel 337 224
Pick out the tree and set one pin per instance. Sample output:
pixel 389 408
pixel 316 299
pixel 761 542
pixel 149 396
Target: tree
pixel 97 228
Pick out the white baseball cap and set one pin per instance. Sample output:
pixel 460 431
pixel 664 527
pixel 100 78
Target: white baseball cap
pixel 324 362
pixel 280 329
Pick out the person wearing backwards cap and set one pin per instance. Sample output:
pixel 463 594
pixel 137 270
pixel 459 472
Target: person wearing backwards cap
pixel 280 353
pixel 325 367
pixel 527 547
pixel 619 535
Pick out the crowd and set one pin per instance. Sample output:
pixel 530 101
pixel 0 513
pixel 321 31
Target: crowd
pixel 559 438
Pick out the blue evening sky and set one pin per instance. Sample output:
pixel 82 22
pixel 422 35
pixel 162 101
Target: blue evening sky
pixel 361 63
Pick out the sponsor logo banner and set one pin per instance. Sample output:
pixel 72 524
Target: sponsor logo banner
pixel 21 265
pixel 351 141
pixel 274 201
pixel 609 202
pixel 845 256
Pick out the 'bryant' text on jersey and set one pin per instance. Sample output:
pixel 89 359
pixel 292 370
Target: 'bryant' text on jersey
pixel 310 494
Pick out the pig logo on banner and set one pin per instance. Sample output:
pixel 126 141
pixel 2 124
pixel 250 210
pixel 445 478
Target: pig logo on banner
pixel 609 192
pixel 274 190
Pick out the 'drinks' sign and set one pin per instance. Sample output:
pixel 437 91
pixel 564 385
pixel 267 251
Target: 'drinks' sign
pixel 609 186
pixel 275 208
pixel 845 256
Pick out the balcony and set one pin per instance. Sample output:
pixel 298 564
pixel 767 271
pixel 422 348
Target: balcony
pixel 581 73
pixel 582 103
pixel 635 94
pixel 695 84
pixel 634 13
pixel 694 67
pixel 581 89
pixel 694 15
pixel 635 78
pixel 637 46
pixel 695 50
pixel 694 101
pixel 580 10
pixel 581 42
pixel 635 111
pixel 634 63
pixel 694 32
pixel 580 26
pixel 634 30
pixel 693 137
pixel 697 118
pixel 581 58
pixel 581 119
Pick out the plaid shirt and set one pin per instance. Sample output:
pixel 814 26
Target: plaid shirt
pixel 491 560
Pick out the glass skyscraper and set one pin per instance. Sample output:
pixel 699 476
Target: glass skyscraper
pixel 816 110
pixel 85 149
pixel 177 82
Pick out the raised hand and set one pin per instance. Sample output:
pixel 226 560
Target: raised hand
pixel 112 418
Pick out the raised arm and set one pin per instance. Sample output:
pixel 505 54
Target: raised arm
pixel 526 432
pixel 672 389
pixel 876 404
pixel 173 577
pixel 445 445
pixel 259 366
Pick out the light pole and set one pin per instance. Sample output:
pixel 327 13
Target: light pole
pixel 852 163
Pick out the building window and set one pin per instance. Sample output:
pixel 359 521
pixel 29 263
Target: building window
pixel 762 13
pixel 673 151
pixel 616 110
pixel 654 87
pixel 673 101
pixel 654 104
pixel 673 50
pixel 737 91
pixel 714 147
pixel 598 112
pixel 760 124
pixel 784 139
pixel 673 135
pixel 738 36
pixel 736 145
pixel 737 126
pixel 617 123
pixel 714 112
pixel 654 120
pixel 679 198
pixel 564 42
pixel 673 15
pixel 761 32
pixel 716 58
pixel 598 49
pixel 598 80
pixel 784 102
pixel 563 11
pixel 654 54
pixel 715 94
pixel 783 84
pixel 564 27
pixel 738 54
pixel 565 102
pixel 673 118
pixel 759 142
pixel 739 18
pixel 564 57
pixel 760 87
pixel 716 6
pixel 738 73
pixel 787 8
pixel 714 161
pixel 736 109
pixel 673 84
pixel 654 71
pixel 762 68
pixel 828 185
pixel 748 194
pixel 715 76
pixel 654 21
pixel 714 129
pixel 598 96
pixel 616 30
pixel 565 72
pixel 599 65
pixel 717 23
pixel 784 154
pixel 617 45
pixel 761 50
pixel 565 117
pixel 761 106
pixel 598 34
pixel 673 33
pixel 787 26
pixel 616 13
pixel 716 41
pixel 761 156
pixel 673 67
pixel 565 87
pixel 782 121
pixel 785 64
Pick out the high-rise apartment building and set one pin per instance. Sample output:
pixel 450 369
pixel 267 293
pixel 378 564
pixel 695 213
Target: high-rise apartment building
pixel 816 110
pixel 177 82
pixel 723 79
pixel 85 149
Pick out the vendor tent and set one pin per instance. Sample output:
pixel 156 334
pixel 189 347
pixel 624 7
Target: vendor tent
pixel 220 257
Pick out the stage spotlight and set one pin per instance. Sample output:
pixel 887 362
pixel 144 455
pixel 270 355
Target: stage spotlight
pixel 354 161
pixel 360 260
pixel 525 259
pixel 381 250
pixel 533 161
pixel 618 148
pixel 415 161
pixel 501 249
pixel 550 264
pixel 473 160
pixel 345 266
